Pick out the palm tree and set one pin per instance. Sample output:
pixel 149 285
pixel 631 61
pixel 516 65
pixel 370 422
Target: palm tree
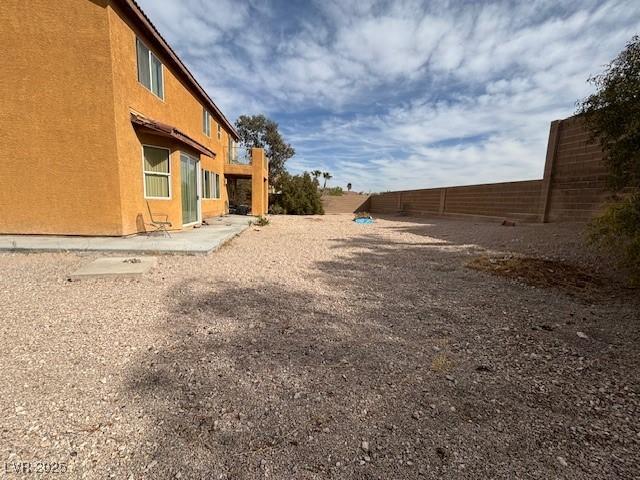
pixel 316 174
pixel 348 187
pixel 327 176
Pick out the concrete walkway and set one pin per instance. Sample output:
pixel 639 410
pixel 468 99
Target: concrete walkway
pixel 192 241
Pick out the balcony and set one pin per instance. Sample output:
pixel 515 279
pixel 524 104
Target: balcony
pixel 238 155
pixel 245 162
pixel 249 164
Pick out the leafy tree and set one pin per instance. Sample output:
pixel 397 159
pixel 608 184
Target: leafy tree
pixel 348 187
pixel 327 176
pixel 298 195
pixel 258 131
pixel 613 115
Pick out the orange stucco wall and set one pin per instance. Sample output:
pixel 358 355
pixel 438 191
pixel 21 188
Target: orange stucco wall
pixel 58 138
pixel 179 108
pixel 71 160
pixel 259 182
pixel 258 172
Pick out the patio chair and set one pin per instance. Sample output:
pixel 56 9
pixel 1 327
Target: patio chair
pixel 159 225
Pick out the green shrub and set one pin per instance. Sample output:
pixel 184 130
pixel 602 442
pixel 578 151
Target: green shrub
pixel 612 113
pixel 617 231
pixel 261 221
pixel 298 195
pixel 276 209
pixel 334 191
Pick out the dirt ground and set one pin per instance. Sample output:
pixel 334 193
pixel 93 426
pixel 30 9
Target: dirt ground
pixel 317 348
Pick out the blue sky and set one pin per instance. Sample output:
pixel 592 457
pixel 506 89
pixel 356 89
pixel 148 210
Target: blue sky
pixel 401 94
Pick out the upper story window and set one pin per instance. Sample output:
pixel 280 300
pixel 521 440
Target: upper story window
pixel 219 132
pixel 149 69
pixel 206 122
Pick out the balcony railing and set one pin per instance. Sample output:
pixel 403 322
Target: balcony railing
pixel 238 155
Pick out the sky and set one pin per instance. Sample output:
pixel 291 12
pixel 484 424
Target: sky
pixel 395 95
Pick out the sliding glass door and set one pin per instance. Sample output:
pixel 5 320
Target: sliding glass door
pixel 190 191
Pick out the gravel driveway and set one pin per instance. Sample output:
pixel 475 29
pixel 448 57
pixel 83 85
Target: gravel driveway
pixel 318 348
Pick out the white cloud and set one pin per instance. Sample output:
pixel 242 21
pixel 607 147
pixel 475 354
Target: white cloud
pixel 402 94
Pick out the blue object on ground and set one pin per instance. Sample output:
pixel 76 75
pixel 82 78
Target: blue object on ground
pixel 363 220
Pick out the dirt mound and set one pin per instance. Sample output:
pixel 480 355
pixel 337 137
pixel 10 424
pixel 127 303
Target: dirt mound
pixel 537 272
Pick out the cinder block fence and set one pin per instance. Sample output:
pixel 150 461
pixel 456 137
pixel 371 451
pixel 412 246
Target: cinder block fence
pixel 573 187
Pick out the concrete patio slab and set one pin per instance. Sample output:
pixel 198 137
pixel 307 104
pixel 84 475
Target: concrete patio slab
pixel 192 241
pixel 110 267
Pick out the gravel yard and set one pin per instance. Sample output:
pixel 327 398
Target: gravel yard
pixel 318 348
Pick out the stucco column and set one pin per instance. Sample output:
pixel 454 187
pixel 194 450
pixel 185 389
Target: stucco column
pixel 258 184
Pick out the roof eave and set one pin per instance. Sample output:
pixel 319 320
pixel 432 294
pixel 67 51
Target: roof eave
pixel 132 7
pixel 162 129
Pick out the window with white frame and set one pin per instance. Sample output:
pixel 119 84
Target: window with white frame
pixel 149 69
pixel 206 184
pixel 206 122
pixel 219 132
pixel 210 185
pixel 157 172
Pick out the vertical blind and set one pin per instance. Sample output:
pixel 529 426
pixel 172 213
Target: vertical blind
pixel 156 172
pixel 144 72
pixel 156 76
pixel 206 122
pixel 149 69
pixel 210 184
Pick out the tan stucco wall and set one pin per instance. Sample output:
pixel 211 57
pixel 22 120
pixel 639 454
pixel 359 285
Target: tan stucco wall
pixel 180 108
pixel 57 162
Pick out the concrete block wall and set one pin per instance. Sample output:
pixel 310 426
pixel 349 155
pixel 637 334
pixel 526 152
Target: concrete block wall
pixel 577 175
pixel 388 202
pixel 518 200
pixel 573 187
pixel 349 202
pixel 418 201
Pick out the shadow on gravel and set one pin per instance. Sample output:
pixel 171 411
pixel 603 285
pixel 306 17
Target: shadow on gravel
pixel 267 381
pixel 524 238
pixel 408 366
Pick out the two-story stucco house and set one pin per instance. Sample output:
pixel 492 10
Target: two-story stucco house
pixel 100 121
